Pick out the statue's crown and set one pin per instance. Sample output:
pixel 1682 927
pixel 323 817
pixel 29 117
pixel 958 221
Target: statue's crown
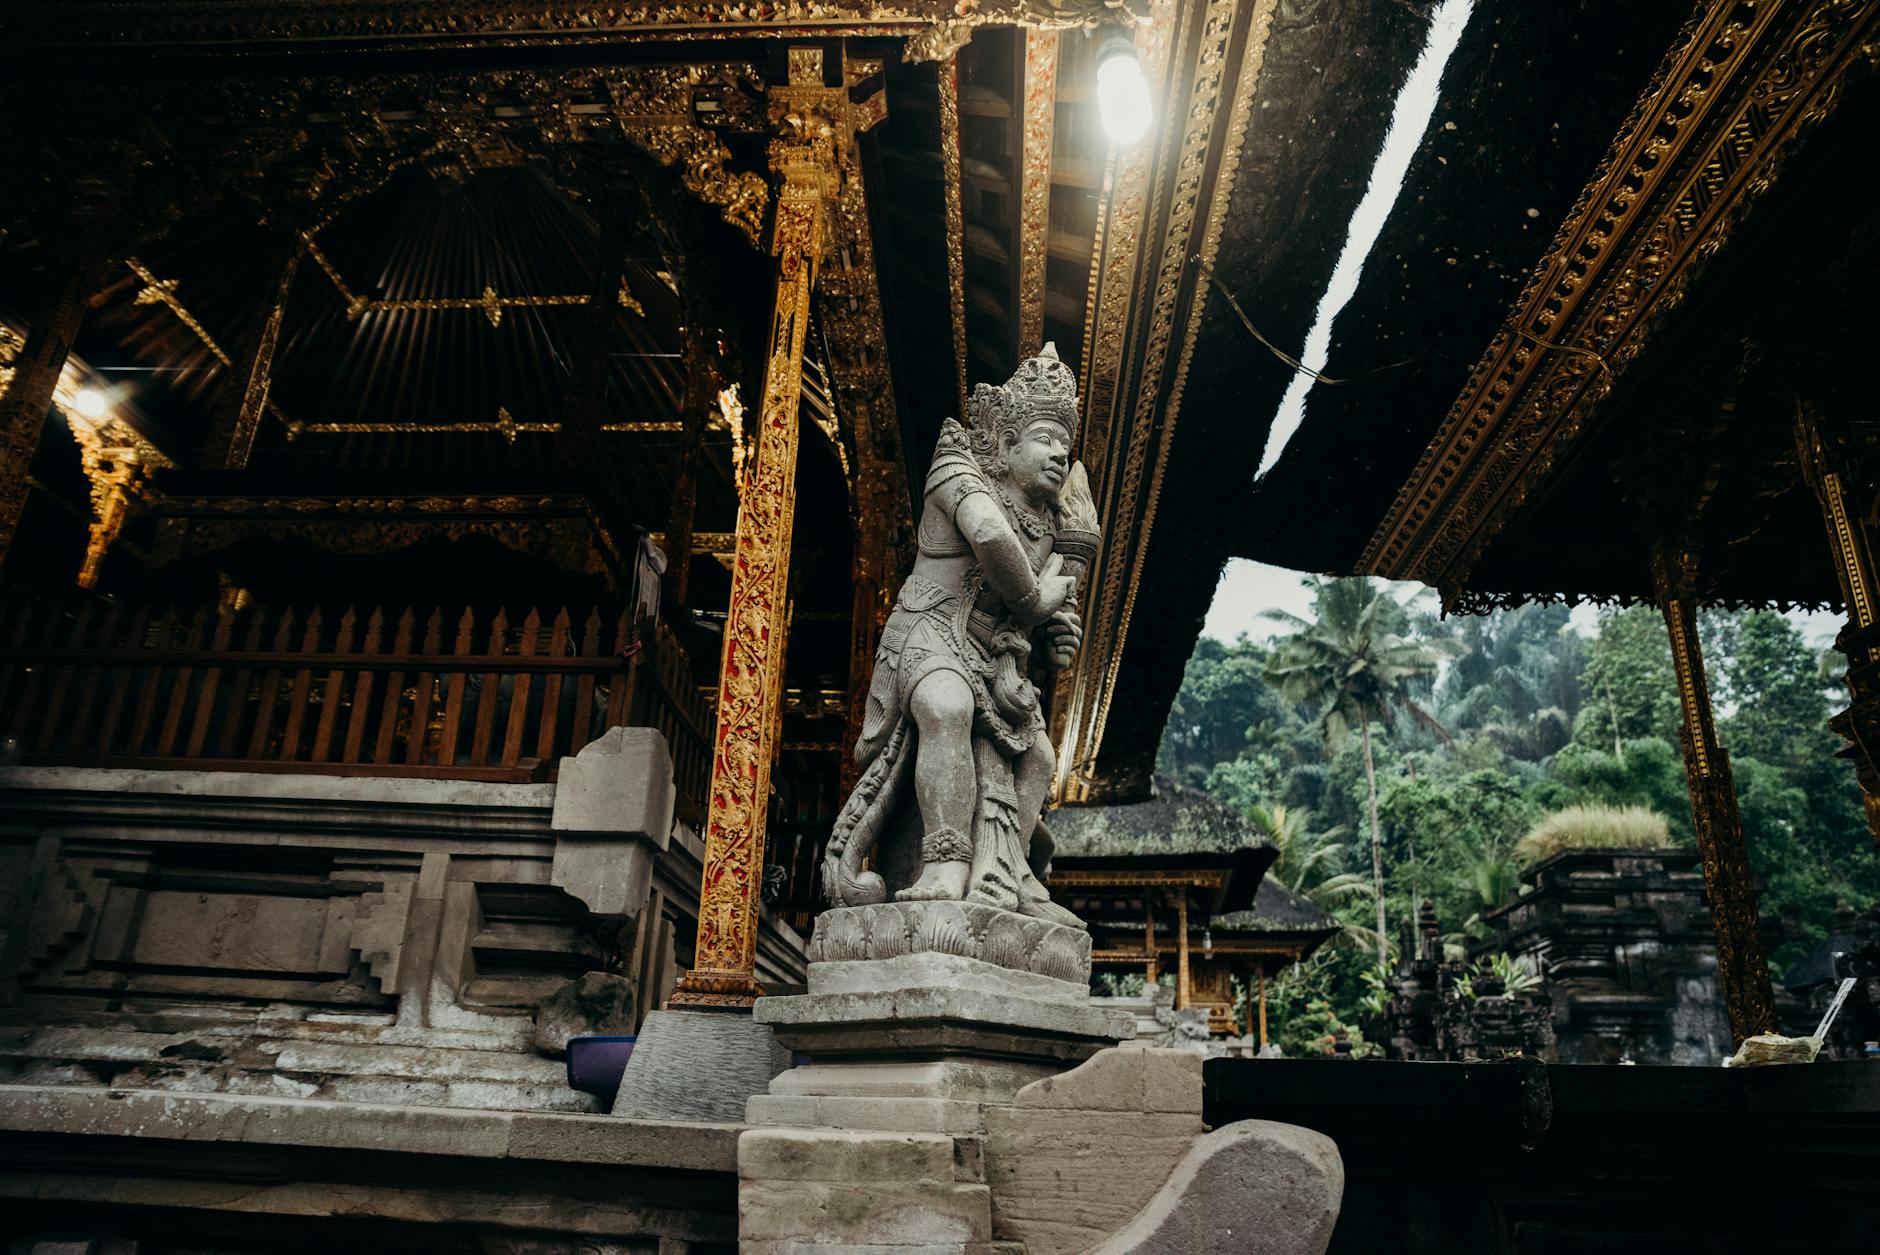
pixel 1041 387
pixel 1045 385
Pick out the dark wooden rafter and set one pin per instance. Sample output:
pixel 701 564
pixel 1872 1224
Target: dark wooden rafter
pixel 1709 136
pixel 238 411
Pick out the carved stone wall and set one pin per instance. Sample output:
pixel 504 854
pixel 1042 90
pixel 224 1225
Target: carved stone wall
pixel 1623 939
pixel 355 939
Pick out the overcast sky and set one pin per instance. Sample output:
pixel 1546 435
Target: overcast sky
pixel 1249 588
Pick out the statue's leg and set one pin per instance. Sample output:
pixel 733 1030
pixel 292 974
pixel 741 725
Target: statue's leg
pixel 945 785
pixel 1032 774
pixel 1031 780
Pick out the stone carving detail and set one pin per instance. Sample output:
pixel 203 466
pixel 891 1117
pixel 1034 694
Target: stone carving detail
pixel 956 759
pixel 891 929
pixel 378 932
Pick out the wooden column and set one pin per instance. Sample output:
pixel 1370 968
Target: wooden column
pixel 1852 551
pixel 1181 952
pixel 750 682
pixel 49 335
pixel 241 408
pixel 1148 945
pixel 1742 970
pixel 1263 1006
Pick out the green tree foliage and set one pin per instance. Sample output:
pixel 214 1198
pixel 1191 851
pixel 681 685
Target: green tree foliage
pixel 1311 863
pixel 1224 712
pixel 1518 683
pixel 1349 664
pixel 1441 825
pixel 1631 689
pixel 1543 719
pixel 1778 703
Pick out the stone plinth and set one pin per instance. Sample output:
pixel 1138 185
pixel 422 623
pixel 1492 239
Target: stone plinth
pixel 904 980
pixel 943 1109
pixel 1016 943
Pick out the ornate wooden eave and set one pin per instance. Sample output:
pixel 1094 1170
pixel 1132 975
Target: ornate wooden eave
pixel 1166 203
pixel 1709 136
pixel 935 26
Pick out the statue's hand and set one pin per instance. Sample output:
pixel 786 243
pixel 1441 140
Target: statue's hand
pixel 1063 633
pixel 1049 597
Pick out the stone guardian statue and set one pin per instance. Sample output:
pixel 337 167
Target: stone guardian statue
pixel 956 761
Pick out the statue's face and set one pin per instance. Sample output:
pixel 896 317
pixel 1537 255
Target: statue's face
pixel 1040 460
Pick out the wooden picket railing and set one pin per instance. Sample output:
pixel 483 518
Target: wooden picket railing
pixel 305 691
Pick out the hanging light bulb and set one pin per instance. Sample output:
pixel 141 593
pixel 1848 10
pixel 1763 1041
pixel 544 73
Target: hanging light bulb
pixel 1123 103
pixel 90 402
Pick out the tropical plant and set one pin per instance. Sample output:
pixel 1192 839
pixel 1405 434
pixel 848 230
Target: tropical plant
pixel 1350 665
pixel 1593 827
pixel 1515 972
pixel 1496 878
pixel 1309 863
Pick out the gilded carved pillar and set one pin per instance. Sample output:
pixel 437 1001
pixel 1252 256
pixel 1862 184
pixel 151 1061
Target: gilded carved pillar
pixel 1843 512
pixel 244 403
pixel 1742 970
pixel 803 154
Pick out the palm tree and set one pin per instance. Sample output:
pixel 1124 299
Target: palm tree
pixel 1309 862
pixel 1352 666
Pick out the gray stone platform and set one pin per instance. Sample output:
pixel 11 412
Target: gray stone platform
pixel 945 979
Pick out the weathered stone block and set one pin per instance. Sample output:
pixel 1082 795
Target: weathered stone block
pixel 619 783
pixel 1064 1180
pixel 1255 1186
pixel 866 1214
pixel 792 1247
pixel 1123 1080
pixel 986 1080
pixel 820 1155
pixel 961 1117
pixel 944 1021
pixel 1078 1154
pixel 613 814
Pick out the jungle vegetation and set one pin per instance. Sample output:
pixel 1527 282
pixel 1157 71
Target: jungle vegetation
pixel 1378 743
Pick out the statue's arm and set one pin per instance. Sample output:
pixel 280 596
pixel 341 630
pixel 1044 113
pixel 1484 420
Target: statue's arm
pixel 1007 566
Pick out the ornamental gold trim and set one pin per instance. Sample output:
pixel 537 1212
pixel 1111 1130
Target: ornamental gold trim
pixel 853 324
pixel 1034 194
pixel 504 425
pixel 1708 137
pixel 1742 968
pixel 1139 284
pixel 953 193
pixel 507 23
pixel 163 292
